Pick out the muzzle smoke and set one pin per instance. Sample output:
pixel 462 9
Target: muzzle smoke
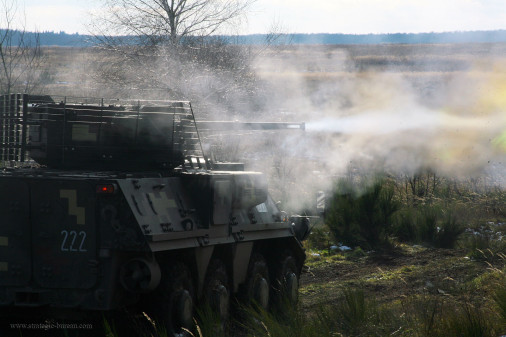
pixel 398 122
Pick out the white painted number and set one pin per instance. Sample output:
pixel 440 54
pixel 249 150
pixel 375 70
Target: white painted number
pixel 83 235
pixel 69 239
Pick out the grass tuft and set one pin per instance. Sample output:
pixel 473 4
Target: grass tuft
pixel 468 321
pixel 500 300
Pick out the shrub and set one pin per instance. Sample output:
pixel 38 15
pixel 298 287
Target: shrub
pixel 404 227
pixel 427 224
pixel 362 216
pixel 448 234
pixel 356 253
pixel 319 238
pixel 340 216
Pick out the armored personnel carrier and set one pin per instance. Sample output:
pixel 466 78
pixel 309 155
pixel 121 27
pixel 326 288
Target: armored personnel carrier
pixel 111 204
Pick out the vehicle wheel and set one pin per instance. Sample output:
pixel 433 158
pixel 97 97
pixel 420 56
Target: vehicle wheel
pixel 286 284
pixel 173 301
pixel 257 287
pixel 217 291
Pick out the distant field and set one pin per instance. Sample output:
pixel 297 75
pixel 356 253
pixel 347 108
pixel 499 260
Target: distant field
pixel 428 68
pixel 74 70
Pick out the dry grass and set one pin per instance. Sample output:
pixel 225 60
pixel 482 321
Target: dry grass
pixel 74 70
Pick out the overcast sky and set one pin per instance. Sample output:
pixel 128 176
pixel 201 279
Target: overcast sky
pixel 315 16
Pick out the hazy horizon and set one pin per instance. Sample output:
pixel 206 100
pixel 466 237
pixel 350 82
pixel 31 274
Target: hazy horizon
pixel 322 17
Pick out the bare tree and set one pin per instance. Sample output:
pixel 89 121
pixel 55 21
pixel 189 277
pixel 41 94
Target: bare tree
pixel 162 21
pixel 170 48
pixel 21 58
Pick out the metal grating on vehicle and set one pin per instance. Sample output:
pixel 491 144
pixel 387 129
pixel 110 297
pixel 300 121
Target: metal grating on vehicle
pixel 12 129
pixel 65 132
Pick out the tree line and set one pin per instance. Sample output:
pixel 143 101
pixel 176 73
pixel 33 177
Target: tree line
pixel 49 38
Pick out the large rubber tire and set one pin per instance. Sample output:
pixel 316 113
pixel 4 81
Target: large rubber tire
pixel 286 283
pixel 257 286
pixel 173 301
pixel 217 292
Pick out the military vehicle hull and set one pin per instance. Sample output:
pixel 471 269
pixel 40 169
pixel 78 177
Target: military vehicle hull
pixel 107 236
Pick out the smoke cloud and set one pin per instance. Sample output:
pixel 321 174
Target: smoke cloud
pixel 394 109
pixel 382 119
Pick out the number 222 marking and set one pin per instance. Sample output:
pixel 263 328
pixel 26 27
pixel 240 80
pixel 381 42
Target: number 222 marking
pixel 69 241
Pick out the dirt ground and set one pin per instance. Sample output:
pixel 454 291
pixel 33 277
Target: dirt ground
pixel 394 276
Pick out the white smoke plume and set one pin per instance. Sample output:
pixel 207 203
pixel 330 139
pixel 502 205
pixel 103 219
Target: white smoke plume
pixel 393 120
pixel 399 109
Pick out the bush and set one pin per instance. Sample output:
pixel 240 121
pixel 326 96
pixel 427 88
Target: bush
pixel 448 234
pixel 424 225
pixel 363 216
pixel 404 228
pixel 427 224
pixel 319 238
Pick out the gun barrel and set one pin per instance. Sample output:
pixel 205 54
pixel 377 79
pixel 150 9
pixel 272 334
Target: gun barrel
pixel 230 125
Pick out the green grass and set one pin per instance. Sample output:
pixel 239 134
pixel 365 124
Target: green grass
pixel 499 296
pixel 358 314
